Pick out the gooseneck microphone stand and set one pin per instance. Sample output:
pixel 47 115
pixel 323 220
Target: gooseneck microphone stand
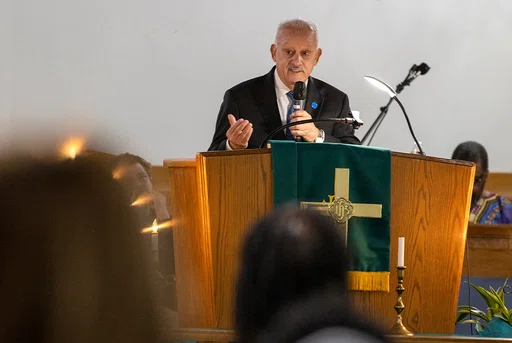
pixel 414 72
pixel 345 120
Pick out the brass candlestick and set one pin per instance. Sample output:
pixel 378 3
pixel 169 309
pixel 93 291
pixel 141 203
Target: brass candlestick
pixel 399 328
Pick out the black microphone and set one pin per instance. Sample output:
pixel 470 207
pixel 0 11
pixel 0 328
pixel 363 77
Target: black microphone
pixel 299 100
pixel 356 123
pixel 414 72
pixel 422 69
pixel 299 96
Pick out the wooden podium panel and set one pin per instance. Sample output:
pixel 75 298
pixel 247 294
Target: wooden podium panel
pixel 218 197
pixel 430 201
pixel 233 202
pixel 489 251
pixel 214 199
pixel 192 250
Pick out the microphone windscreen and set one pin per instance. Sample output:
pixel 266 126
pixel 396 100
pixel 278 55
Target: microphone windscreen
pixel 423 68
pixel 299 91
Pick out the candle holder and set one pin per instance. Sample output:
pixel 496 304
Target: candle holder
pixel 399 328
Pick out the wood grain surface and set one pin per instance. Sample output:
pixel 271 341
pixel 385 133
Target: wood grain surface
pixel 237 191
pixel 192 248
pixel 430 203
pixel 490 251
pixel 500 183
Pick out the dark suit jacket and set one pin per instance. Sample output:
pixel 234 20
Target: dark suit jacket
pixel 255 100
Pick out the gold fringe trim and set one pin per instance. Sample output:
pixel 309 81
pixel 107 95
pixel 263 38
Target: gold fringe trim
pixel 368 281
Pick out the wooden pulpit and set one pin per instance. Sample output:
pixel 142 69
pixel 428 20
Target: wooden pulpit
pixel 218 195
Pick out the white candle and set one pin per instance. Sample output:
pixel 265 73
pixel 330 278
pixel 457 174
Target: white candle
pixel 154 245
pixel 154 240
pixel 401 251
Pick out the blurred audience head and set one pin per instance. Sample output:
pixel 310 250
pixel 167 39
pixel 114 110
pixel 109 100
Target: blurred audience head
pixel 321 317
pixel 474 152
pixel 288 255
pixel 134 173
pixel 71 259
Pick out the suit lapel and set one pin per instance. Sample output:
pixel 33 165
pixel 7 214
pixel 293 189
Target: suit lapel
pixel 314 99
pixel 267 101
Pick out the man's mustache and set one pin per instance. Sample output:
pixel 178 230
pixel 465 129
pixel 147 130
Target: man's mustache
pixel 295 69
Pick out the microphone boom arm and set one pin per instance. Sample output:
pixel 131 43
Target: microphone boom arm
pixel 414 72
pixel 344 120
pixel 409 124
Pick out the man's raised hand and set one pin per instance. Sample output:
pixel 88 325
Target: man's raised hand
pixel 239 133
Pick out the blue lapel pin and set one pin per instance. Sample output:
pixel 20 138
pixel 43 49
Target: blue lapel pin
pixel 314 105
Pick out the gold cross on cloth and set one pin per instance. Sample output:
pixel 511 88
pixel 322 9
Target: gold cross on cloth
pixel 341 209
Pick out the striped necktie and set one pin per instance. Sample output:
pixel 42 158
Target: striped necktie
pixel 289 114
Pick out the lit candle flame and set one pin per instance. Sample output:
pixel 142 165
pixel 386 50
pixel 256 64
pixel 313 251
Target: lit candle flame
pixel 143 199
pixel 72 147
pixel 118 173
pixel 155 227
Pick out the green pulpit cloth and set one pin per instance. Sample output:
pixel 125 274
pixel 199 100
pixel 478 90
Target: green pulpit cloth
pixel 319 176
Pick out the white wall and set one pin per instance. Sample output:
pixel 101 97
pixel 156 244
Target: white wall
pixel 151 74
pixel 6 69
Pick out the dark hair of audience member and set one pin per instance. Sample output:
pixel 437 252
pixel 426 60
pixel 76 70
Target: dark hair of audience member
pixel 128 159
pixel 472 152
pixel 288 255
pixel 71 262
pixel 322 317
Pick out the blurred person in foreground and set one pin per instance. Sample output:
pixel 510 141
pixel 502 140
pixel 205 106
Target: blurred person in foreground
pixel 321 317
pixel 72 265
pixel 288 257
pixel 134 174
pixel 486 207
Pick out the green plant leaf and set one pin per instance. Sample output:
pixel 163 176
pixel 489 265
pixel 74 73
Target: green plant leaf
pixel 460 316
pixel 499 299
pixel 484 294
pixel 470 321
pixel 495 300
pixel 490 299
pixel 478 325
pixel 475 312
pixel 471 308
pixel 501 291
pixel 505 315
pixel 500 308
pixel 499 315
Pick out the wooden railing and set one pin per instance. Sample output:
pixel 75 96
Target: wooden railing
pixel 500 183
pixel 220 335
pixel 490 251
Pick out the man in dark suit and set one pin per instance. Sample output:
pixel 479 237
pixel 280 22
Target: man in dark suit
pixel 252 109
